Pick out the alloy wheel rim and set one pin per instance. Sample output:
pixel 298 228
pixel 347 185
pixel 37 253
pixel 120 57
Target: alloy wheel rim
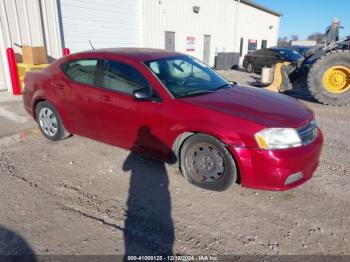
pixel 48 121
pixel 205 163
pixel 336 79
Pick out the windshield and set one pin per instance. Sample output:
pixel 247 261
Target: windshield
pixel 290 55
pixel 185 76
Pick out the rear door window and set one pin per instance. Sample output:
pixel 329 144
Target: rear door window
pixel 82 71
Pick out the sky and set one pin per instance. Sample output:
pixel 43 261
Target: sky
pixel 303 17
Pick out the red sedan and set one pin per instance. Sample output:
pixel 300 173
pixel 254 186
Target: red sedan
pixel 170 106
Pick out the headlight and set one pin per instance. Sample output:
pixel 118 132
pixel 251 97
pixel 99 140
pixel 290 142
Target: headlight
pixel 278 138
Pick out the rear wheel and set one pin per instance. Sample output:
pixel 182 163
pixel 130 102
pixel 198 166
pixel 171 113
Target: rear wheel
pixel 250 68
pixel 205 162
pixel 49 121
pixel 329 78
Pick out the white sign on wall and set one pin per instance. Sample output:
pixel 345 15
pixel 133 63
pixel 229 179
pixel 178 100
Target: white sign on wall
pixel 190 43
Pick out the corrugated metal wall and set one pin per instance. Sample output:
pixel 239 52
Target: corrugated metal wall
pixel 257 25
pixel 215 18
pixel 106 23
pixel 27 22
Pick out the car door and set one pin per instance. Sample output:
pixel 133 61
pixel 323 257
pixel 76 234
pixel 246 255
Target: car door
pixel 124 121
pixel 75 91
pixel 260 57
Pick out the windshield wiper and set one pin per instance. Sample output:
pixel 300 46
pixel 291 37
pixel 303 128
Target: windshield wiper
pixel 203 92
pixel 227 85
pixel 198 92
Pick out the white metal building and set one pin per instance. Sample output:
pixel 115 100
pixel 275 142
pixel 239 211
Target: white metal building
pixel 216 26
pixel 201 28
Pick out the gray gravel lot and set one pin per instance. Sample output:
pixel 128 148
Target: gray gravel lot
pixel 79 196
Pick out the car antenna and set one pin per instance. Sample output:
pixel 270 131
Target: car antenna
pixel 93 48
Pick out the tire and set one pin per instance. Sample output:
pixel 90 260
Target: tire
pixel 50 122
pixel 317 72
pixel 250 68
pixel 205 162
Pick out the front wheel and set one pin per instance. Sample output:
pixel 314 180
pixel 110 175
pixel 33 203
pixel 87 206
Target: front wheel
pixel 205 162
pixel 49 121
pixel 329 78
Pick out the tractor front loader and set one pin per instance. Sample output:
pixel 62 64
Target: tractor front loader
pixel 328 73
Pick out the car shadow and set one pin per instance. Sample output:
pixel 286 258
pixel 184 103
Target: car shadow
pixel 13 247
pixel 148 226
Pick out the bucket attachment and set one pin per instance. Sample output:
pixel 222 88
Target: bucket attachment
pixel 280 80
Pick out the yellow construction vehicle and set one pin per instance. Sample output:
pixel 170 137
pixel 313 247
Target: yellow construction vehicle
pixel 327 69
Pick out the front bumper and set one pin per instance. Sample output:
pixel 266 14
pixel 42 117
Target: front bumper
pixel 278 169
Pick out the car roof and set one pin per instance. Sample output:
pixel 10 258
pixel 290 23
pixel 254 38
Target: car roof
pixel 280 49
pixel 290 47
pixel 138 54
pixel 301 47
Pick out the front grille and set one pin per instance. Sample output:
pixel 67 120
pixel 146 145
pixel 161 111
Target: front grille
pixel 308 133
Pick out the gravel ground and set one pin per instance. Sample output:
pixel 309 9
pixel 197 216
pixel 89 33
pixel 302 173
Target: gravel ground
pixel 82 197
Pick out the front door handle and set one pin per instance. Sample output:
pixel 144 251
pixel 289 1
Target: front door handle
pixel 104 98
pixel 59 86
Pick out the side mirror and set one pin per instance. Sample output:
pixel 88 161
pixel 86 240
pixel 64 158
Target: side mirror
pixel 145 94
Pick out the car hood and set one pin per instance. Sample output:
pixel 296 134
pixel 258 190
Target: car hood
pixel 260 106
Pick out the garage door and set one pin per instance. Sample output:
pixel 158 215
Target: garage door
pixel 106 23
